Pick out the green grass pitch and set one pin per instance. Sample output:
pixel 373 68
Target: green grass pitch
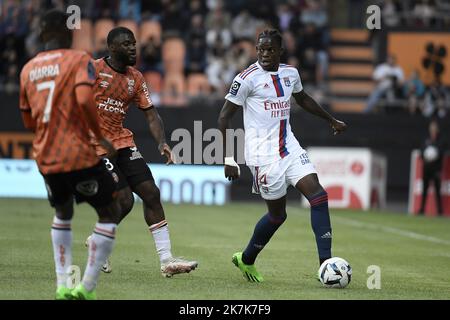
pixel 412 252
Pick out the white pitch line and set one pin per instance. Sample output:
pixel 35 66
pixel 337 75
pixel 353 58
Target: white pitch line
pixel 392 230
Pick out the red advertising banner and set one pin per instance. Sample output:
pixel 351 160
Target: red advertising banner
pixel 416 185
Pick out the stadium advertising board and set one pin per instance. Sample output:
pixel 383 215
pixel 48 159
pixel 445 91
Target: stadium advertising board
pixel 416 185
pixel 15 145
pixel 178 184
pixel 354 178
pixel 422 51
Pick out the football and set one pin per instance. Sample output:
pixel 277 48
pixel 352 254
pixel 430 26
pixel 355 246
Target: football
pixel 335 273
pixel 430 154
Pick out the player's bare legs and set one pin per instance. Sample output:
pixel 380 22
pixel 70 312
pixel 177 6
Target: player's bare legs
pixel 125 199
pixel 156 221
pixel 310 187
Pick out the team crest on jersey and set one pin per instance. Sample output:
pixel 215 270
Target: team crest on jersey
pixel 287 82
pixel 104 84
pixel 130 87
pixel 87 188
pixel 135 154
pixel 235 88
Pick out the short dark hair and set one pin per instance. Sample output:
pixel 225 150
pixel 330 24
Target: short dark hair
pixel 114 33
pixel 54 21
pixel 272 33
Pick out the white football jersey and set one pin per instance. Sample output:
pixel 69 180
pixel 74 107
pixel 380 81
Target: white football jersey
pixel 265 97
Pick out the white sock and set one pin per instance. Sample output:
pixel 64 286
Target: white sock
pixel 62 249
pixel 100 248
pixel 160 232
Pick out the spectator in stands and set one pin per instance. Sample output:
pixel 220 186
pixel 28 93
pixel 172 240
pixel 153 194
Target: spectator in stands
pixel 424 13
pixel 32 43
pixel 151 10
pixel 244 26
pixel 413 91
pixel 196 45
pixel 285 15
pixel 105 9
pixel 195 7
pixel 216 70
pixel 11 84
pixel 130 9
pixel 151 56
pixel 437 100
pixel 390 13
pixel 315 13
pixel 432 154
pixel 196 56
pixel 173 20
pixel 218 18
pixel 389 78
pixel 313 54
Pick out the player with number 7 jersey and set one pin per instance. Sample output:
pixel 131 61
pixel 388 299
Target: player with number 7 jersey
pixel 57 103
pixel 62 142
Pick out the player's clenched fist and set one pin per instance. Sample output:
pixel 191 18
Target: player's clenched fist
pixel 232 170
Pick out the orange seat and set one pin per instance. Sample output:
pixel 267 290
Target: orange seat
pixel 173 55
pixel 101 29
pixel 148 30
pixel 173 93
pixel 154 81
pixel 82 38
pixel 197 84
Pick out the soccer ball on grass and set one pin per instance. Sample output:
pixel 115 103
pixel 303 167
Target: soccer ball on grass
pixel 335 273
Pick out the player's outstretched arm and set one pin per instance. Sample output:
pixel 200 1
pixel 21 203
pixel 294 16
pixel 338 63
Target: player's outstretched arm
pixel 84 95
pixel 305 101
pixel 232 171
pixel 156 126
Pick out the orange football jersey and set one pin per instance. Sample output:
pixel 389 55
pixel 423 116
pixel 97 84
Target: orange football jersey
pixel 47 90
pixel 114 92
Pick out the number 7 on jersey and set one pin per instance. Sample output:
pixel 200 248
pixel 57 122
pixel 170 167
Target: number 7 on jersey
pixel 50 85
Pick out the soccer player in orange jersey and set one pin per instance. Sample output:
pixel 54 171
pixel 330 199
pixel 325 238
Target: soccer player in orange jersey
pixel 56 101
pixel 117 86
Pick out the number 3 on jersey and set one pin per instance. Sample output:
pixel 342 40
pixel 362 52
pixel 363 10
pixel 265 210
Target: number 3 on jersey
pixel 48 85
pixel 108 164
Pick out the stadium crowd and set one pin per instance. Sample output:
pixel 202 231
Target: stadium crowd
pixel 215 38
pixel 192 49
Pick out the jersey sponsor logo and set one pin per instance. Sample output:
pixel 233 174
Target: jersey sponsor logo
pixel 50 71
pixel 135 154
pixel 270 105
pixel 130 86
pixel 266 86
pixel 112 105
pixel 287 82
pixel 147 93
pixel 87 188
pixel 235 88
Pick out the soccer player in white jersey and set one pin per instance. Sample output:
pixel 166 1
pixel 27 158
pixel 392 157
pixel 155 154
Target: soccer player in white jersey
pixel 272 152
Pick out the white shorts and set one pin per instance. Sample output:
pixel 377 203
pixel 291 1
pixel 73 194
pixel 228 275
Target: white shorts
pixel 273 180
